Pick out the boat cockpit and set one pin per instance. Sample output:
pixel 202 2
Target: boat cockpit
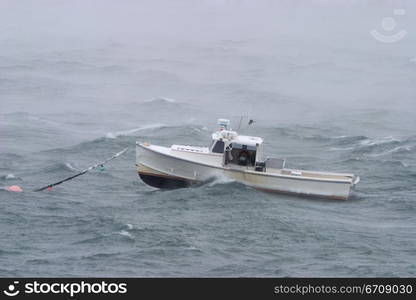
pixel 237 150
pixel 242 155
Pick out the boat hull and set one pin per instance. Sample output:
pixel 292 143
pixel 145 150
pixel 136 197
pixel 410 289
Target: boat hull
pixel 163 170
pixel 162 181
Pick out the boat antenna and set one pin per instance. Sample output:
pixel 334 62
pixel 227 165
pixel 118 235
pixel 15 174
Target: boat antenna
pixel 239 124
pixel 250 121
pixel 249 117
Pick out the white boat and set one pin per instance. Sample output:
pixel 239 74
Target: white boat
pixel 239 158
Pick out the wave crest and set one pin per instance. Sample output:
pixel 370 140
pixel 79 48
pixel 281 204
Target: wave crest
pixel 128 132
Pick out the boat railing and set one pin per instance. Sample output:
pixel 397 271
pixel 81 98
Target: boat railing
pixel 275 163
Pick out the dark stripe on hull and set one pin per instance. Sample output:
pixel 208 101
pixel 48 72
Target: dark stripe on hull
pixel 164 182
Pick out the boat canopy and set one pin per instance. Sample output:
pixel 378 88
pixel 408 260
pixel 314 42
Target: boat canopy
pixel 232 137
pixel 248 140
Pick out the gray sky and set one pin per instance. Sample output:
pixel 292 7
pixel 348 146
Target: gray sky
pixel 310 55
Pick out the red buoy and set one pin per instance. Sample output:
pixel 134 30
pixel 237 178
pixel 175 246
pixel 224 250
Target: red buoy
pixel 14 188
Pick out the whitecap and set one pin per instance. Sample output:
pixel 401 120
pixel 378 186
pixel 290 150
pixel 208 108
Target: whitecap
pixel 161 99
pixel 199 128
pixel 110 135
pixel 392 151
pixel 379 141
pixel 113 135
pixel 71 167
pixel 221 180
pixel 341 149
pixel 10 177
pixel 125 233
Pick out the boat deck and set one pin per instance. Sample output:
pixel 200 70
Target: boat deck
pixel 310 174
pixel 298 173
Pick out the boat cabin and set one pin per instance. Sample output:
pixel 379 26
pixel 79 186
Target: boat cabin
pixel 238 150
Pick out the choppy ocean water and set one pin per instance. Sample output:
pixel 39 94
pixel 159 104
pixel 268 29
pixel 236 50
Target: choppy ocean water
pixel 323 107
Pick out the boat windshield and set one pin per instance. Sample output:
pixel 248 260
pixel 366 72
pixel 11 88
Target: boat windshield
pixel 218 147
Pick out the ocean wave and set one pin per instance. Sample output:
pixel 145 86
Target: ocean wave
pixel 27 117
pixel 10 176
pixel 375 162
pixel 378 146
pixel 128 132
pixel 347 140
pixel 379 141
pixel 38 261
pixel 161 130
pixel 126 230
pixel 220 180
pixel 20 67
pixel 93 240
pixel 341 149
pixel 64 65
pixel 126 234
pixel 317 65
pixel 114 69
pixel 395 150
pixel 353 143
pixel 161 100
pixel 70 167
pixel 384 145
pixel 98 256
pixel 6 252
pixel 309 133
pixel 60 166
pixel 10 156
